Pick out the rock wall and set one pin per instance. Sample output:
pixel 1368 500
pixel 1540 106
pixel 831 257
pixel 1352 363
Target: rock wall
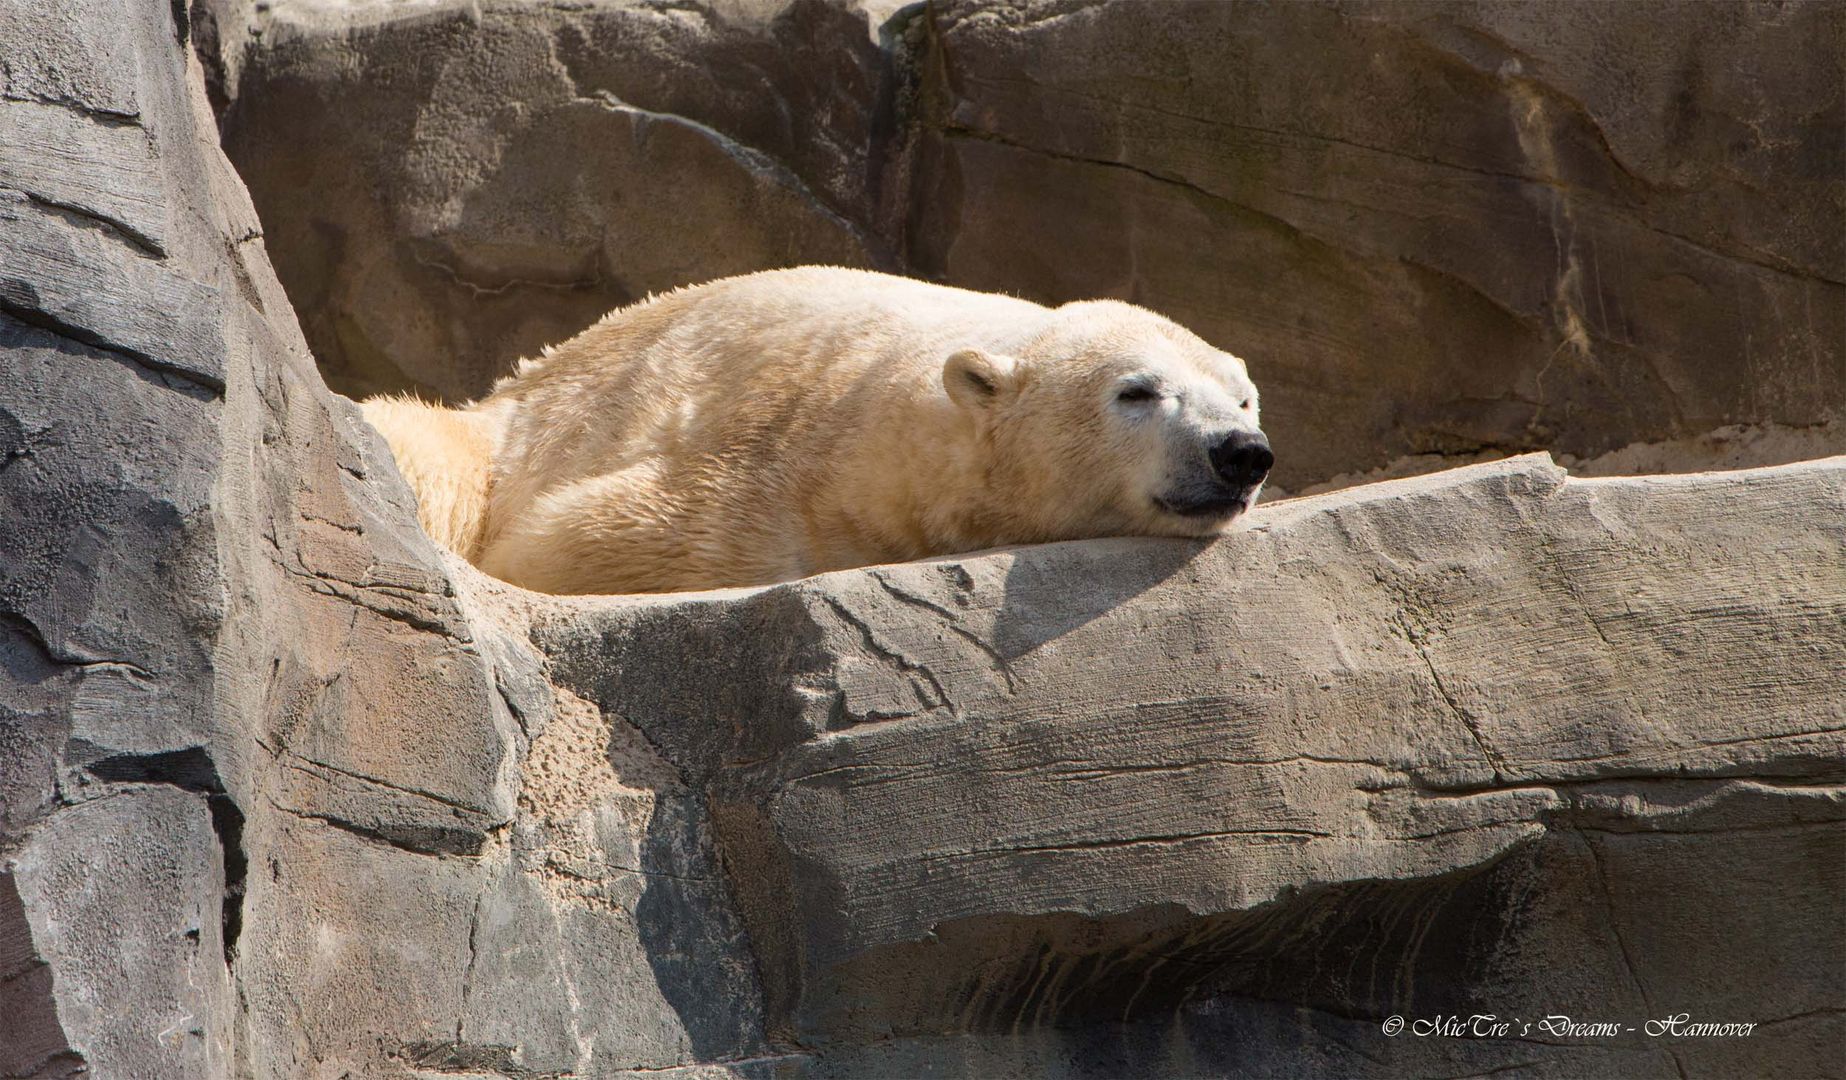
pixel 285 792
pixel 440 239
pixel 232 664
pixel 1436 231
pixel 1431 227
pixel 1466 742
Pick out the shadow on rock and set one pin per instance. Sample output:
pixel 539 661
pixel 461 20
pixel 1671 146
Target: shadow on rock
pixel 695 944
pixel 35 1042
pixel 1053 589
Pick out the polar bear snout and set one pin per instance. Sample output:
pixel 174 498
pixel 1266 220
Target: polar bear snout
pixel 1243 459
pixel 1210 492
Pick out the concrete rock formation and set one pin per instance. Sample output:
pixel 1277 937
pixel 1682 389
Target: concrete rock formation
pixel 592 178
pixel 1435 230
pixel 1432 227
pixel 285 792
pixel 1490 740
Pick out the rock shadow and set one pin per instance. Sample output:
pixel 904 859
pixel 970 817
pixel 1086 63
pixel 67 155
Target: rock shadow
pixel 34 1042
pixel 1051 590
pixel 694 941
pixel 1345 949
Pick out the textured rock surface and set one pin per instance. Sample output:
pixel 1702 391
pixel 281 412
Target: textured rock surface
pixel 474 183
pixel 1485 740
pixel 262 808
pixel 224 640
pixel 1431 227
pixel 115 349
pixel 1434 229
pixel 285 793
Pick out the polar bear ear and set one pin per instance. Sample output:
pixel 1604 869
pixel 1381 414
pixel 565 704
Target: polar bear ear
pixel 976 380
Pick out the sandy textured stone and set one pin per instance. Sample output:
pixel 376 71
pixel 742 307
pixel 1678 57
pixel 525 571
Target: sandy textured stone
pixel 1485 738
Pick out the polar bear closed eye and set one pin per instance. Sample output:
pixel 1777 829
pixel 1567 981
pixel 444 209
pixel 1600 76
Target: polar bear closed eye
pixel 780 424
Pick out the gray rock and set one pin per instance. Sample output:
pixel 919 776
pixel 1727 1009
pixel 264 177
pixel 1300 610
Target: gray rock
pixel 110 596
pixel 221 632
pixel 462 186
pixel 1429 227
pixel 122 897
pixel 1489 740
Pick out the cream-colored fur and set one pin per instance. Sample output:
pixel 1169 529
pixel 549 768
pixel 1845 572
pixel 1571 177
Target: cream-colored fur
pixel 771 426
pixel 446 456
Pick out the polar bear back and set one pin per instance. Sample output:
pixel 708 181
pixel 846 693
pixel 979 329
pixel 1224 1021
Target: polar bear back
pixel 727 406
pixel 765 428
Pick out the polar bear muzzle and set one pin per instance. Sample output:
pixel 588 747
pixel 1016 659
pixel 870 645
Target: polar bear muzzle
pixel 1240 462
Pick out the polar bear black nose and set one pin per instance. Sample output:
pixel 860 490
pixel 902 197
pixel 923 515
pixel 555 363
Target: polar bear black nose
pixel 1243 458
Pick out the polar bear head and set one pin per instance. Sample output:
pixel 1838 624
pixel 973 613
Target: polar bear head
pixel 1111 420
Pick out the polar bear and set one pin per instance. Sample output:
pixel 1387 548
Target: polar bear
pixel 767 427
